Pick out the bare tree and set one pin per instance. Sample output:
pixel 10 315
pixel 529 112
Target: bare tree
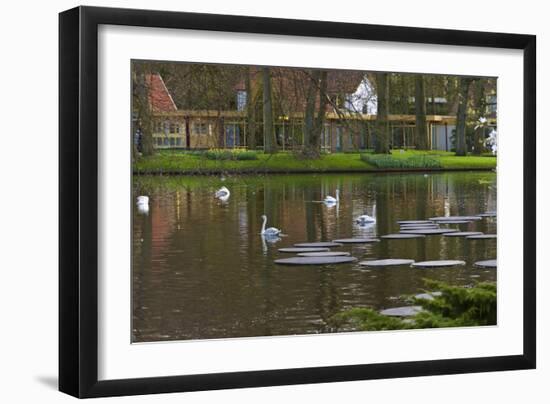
pixel 250 110
pixel 309 116
pixel 269 135
pixel 320 119
pixel 421 129
pixel 480 105
pixel 382 123
pixel 463 90
pixel 143 122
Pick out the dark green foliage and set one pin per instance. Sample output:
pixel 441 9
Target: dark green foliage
pixel 390 161
pixel 456 307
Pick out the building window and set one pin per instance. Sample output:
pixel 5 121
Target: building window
pixel 178 141
pixel 172 127
pixel 241 100
pixel 201 128
pixel 166 141
pixel 492 103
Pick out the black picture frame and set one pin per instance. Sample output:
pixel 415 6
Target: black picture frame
pixel 78 201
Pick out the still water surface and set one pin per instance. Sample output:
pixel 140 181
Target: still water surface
pixel 201 269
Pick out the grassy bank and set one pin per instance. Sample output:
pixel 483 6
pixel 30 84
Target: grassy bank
pixel 182 162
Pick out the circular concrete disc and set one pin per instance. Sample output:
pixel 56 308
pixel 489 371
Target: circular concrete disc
pixel 428 296
pixel 455 218
pixel 438 264
pixel 488 214
pixel 301 250
pixel 463 234
pixel 386 262
pixel 325 254
pixel 419 226
pixel 317 245
pixel 315 260
pixel 356 240
pixel 402 236
pixel 428 232
pixel 482 237
pixel 414 222
pixel 486 264
pixel 406 311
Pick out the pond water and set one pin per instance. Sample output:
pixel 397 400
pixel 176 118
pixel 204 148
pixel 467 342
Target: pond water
pixel 202 270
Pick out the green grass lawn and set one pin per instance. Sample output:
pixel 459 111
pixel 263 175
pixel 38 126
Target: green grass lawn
pixel 179 161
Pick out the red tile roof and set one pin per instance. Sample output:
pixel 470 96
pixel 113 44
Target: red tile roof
pixel 159 96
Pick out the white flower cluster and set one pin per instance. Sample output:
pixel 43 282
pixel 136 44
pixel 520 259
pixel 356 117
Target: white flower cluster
pixel 491 141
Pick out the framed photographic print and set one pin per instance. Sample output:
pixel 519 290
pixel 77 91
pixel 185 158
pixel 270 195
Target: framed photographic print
pixel 250 201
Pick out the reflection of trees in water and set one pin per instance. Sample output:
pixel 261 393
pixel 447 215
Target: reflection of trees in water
pixel 211 268
pixel 328 298
pixel 141 261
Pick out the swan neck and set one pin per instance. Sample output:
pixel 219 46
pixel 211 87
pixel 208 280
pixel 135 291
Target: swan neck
pixel 263 224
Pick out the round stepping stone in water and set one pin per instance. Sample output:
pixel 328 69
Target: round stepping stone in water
pixel 326 244
pixel 406 311
pixel 419 226
pixel 356 240
pixel 302 249
pixel 428 296
pixel 315 260
pixel 454 221
pixel 455 218
pixel 488 214
pixel 482 237
pixel 401 236
pixel 414 222
pixel 386 262
pixel 486 264
pixel 463 234
pixel 325 254
pixel 438 264
pixel 428 232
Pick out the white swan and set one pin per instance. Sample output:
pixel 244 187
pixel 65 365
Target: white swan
pixel 222 193
pixel 330 200
pixel 143 204
pixel 269 232
pixel 364 219
pixel 143 200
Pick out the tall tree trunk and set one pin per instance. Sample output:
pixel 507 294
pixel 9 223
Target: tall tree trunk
pixel 144 117
pixel 250 115
pixel 421 129
pixel 269 135
pixel 309 115
pixel 463 89
pixel 147 138
pixel 479 133
pixel 382 124
pixel 320 119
